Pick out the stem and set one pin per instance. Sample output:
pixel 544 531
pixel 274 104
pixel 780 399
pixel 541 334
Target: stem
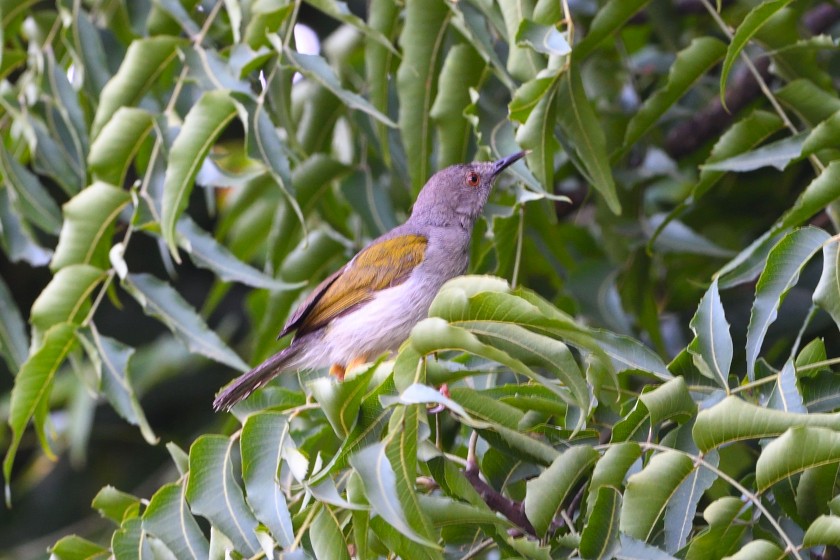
pixel 754 384
pixel 520 230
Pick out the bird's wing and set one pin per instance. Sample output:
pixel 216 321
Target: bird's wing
pixel 381 265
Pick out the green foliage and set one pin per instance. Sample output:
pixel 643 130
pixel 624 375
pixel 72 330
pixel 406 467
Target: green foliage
pixel 645 372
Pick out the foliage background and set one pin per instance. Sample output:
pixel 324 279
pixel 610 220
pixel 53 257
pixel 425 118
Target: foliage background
pixel 649 375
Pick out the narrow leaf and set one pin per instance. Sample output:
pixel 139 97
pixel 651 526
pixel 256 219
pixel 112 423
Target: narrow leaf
pixel 712 346
pixel 327 539
pixel 798 449
pixel 545 494
pixel 160 300
pixel 89 216
pixel 208 253
pixel 605 24
pixel 691 64
pixel 118 143
pixel 426 23
pixel 544 39
pixel 827 292
pixel 262 441
pixel 600 534
pixel 168 518
pixel 380 484
pixel 753 21
pixel 823 190
pixel 316 68
pixel 113 363
pixel 66 299
pixel 213 493
pixel 781 273
pixel 777 154
pixel 580 123
pixel 144 63
pixel 735 420
pixel 649 492
pixel 202 126
pixel 33 385
pixel 14 342
pixel 28 195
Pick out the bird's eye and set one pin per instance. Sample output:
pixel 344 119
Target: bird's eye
pixel 473 179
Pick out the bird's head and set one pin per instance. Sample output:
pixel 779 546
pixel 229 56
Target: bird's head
pixel 457 194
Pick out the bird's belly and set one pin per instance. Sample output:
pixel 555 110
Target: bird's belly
pixel 381 325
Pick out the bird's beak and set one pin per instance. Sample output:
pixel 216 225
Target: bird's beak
pixel 504 163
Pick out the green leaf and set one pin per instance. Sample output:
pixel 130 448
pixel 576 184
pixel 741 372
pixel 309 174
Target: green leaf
pixel 18 240
pixel 130 542
pixel 380 484
pixel 823 190
pixel 784 264
pixel 74 547
pixel 668 401
pixel 545 494
pixel 208 253
pixel 33 385
pixel 712 348
pixel 759 549
pixel 340 401
pixel 14 342
pixel 741 137
pixel 263 438
pixel 797 449
pixel 599 536
pixel 822 136
pixel 649 492
pixel 786 394
pixel 316 68
pixel 66 297
pixel 326 536
pixel 213 493
pixel 544 39
pixel 168 518
pixel 605 24
pixel 89 216
pixel 753 21
pixel 580 123
pixel 523 63
pixel 735 420
pixel 115 505
pixel 827 292
pixel 112 361
pixel 813 103
pixel 28 195
pixel 462 69
pixel 160 300
pixel 145 62
pixel 777 154
pixel 426 23
pixel 691 64
pixel 537 131
pixel 825 530
pixel 202 126
pixel 612 468
pixel 401 449
pixel 117 144
pixel 341 11
pixel 681 509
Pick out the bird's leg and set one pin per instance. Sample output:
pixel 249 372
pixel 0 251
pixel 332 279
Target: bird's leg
pixel 355 362
pixel 338 371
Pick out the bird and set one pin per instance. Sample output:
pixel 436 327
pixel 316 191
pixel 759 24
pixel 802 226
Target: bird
pixel 369 306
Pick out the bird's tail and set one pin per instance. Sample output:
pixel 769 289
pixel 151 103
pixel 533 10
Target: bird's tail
pixel 249 382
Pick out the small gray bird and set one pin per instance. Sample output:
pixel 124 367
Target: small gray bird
pixel 370 305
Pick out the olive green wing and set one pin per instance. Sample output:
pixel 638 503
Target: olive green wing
pixel 381 265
